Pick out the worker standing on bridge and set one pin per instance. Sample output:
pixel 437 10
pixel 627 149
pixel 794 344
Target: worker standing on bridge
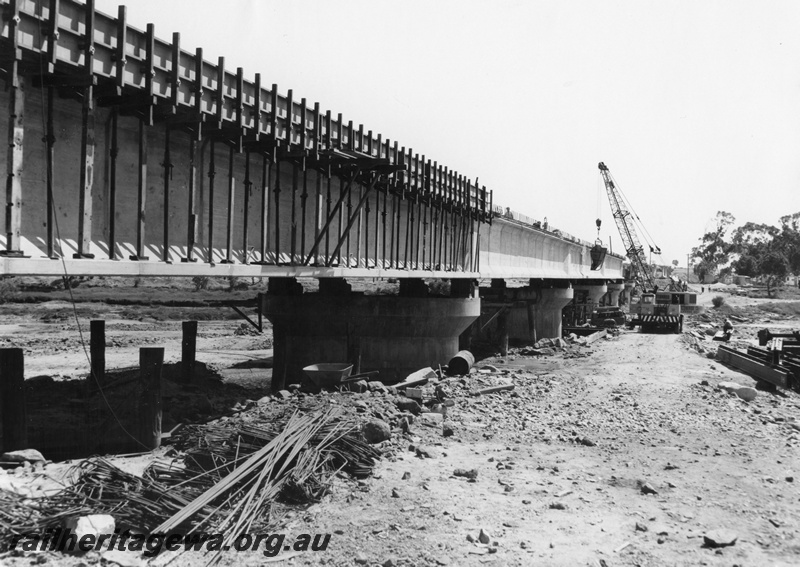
pixel 727 330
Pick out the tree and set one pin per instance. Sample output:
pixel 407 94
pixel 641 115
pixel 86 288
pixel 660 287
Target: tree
pixel 774 268
pixel 714 250
pixel 789 241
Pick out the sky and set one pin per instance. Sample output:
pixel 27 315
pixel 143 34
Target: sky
pixel 693 105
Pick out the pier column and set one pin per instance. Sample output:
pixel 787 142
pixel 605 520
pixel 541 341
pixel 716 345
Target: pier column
pixel 396 334
pixel 614 292
pixel 625 296
pixel 594 292
pixel 535 312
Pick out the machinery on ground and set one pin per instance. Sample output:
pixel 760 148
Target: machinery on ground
pixel 655 309
pixel 659 310
pixel 627 231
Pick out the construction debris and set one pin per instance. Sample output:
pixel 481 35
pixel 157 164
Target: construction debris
pixel 229 479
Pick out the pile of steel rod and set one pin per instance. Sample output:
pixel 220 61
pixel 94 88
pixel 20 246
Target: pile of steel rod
pixel 228 482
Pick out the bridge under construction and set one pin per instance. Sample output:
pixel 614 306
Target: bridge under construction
pixel 131 156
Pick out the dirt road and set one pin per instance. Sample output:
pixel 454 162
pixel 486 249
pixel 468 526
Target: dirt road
pixel 561 464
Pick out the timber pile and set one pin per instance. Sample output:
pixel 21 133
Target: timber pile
pixel 228 482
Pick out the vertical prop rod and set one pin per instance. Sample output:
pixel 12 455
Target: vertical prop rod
pixel 112 187
pixel 87 141
pixel 167 178
pixel 248 187
pixel 288 132
pixel 191 231
pixel 50 141
pixel 212 173
pixel 231 188
pixel 304 194
pixel 266 168
pixel 142 193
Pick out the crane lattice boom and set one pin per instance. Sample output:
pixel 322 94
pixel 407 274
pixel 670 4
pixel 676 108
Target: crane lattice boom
pixel 633 249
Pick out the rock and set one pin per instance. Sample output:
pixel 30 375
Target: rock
pixel 447 429
pixel 395 493
pixel 640 527
pixel 377 386
pixel 471 538
pixel 283 394
pixel 466 473
pixel 359 386
pixel 744 392
pixel 586 441
pixel 406 475
pixel 431 418
pixel 557 506
pixel 425 452
pixel 122 558
pixel 93 524
pixel 414 393
pixel 484 537
pixel 376 431
pixel 729 387
pixel 720 538
pixel 407 404
pixel 489 368
pixel 361 559
pixel 647 488
pixel 23 456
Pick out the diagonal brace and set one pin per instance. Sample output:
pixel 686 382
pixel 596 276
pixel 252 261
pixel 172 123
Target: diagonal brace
pixel 353 217
pixel 333 215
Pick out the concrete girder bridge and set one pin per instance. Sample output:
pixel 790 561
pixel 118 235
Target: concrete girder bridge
pixel 130 156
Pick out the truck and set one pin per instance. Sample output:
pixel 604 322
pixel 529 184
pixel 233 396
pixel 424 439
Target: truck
pixel 660 310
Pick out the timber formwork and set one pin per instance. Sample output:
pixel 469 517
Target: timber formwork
pixel 264 178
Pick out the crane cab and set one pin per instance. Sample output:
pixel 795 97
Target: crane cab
pixel 660 310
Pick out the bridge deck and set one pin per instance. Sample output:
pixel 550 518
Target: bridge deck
pixel 156 162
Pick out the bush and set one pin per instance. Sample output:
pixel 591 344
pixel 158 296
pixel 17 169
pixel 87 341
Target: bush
pixel 200 282
pixel 8 290
pixel 718 301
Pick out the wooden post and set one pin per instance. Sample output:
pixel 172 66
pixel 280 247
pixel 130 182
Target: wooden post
pixel 188 350
pixel 97 349
pixel 151 360
pixel 12 399
pixel 502 331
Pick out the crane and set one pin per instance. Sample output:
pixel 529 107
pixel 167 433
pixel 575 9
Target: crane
pixel 625 224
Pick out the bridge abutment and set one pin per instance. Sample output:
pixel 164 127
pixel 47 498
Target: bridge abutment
pixel 395 334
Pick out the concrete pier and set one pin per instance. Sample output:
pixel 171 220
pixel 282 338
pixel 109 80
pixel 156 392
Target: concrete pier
pixel 393 334
pixel 612 298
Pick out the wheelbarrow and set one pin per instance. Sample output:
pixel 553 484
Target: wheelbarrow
pixel 326 375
